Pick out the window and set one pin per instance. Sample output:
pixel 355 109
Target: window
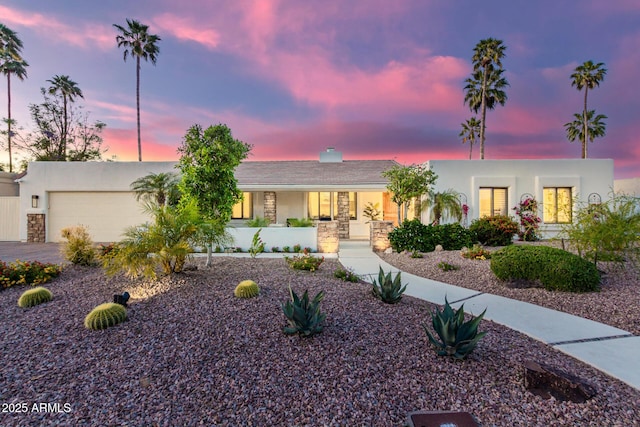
pixel 557 205
pixel 323 205
pixel 493 201
pixel 244 208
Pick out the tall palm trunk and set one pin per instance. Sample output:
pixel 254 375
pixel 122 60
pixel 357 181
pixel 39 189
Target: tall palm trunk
pixel 65 129
pixel 9 120
pixel 483 108
pixel 470 148
pixel 138 106
pixel 584 117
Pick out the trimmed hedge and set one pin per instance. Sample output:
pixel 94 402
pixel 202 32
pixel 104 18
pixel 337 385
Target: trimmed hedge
pixel 415 236
pixel 556 269
pixel 494 230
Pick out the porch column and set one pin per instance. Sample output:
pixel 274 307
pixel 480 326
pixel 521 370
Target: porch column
pixel 270 210
pixel 36 232
pixel 379 239
pixel 328 240
pixel 343 214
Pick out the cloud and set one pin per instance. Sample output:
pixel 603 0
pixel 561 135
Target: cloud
pixel 185 29
pixel 86 35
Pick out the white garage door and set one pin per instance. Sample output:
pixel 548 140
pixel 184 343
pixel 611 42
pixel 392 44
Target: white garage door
pixel 105 214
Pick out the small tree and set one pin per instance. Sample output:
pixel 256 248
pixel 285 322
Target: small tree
pixel 607 230
pixel 407 183
pixel 444 204
pixel 208 161
pixel 159 188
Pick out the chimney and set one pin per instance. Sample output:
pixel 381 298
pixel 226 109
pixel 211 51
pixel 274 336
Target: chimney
pixel 331 156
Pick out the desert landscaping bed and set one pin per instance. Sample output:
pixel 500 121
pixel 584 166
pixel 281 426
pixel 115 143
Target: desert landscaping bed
pixel 193 354
pixel 616 304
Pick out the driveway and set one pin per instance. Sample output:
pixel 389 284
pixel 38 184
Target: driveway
pixel 43 252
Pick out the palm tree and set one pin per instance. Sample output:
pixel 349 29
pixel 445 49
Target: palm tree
pixel 69 90
pixel 595 128
pixel 487 70
pixel 138 43
pixel 443 204
pixel 587 76
pixel 159 188
pixel 11 63
pixel 470 131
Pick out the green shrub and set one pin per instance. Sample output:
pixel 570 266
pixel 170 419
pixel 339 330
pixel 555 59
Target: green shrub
pixel 286 249
pixel 105 315
pixel 494 230
pixel 554 268
pixel 297 248
pixel 386 289
pixel 300 222
pixel 457 338
pixel 258 221
pixel 346 274
pixel 35 296
pixel 257 245
pixel 445 266
pixel 304 262
pixel 476 252
pixel 246 289
pixel 164 244
pixel 304 316
pixel 415 236
pixel 78 247
pixel 275 249
pixel 26 273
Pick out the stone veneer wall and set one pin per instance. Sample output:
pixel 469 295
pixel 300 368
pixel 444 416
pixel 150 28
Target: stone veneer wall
pixel 328 238
pixel 343 214
pixel 36 232
pixel 379 235
pixel 270 210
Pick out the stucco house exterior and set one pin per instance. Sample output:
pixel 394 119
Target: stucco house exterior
pixel 54 195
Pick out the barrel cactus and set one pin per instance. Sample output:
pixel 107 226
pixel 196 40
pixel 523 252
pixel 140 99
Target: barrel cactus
pixel 34 297
pixel 246 289
pixel 105 315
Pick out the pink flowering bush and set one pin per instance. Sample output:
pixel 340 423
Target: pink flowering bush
pixel 527 210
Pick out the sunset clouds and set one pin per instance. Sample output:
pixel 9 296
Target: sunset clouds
pixel 375 79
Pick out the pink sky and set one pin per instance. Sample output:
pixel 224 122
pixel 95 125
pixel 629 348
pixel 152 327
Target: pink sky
pixel 373 79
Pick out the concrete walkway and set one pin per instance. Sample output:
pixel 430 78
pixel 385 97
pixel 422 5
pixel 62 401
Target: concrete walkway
pixel 610 350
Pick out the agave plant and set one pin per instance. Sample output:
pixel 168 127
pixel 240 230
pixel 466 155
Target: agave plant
pixel 304 316
pixel 386 289
pixel 457 337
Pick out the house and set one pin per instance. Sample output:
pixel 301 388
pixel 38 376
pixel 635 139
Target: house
pixel 330 190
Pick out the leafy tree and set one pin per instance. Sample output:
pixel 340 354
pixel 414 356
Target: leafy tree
pixel 587 76
pixel 470 131
pixel 83 140
pixel 137 42
pixel 485 87
pixel 443 204
pixel 159 188
pixel 208 161
pixel 11 63
pixel 595 128
pixel 407 183
pixel 63 85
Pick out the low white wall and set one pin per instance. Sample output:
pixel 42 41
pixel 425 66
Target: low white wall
pixel 306 237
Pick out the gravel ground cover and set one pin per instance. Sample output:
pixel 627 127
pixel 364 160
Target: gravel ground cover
pixel 193 354
pixel 617 304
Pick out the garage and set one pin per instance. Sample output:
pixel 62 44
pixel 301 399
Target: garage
pixel 106 214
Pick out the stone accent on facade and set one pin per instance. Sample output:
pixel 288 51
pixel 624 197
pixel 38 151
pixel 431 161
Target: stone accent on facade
pixel 36 232
pixel 328 238
pixel 343 214
pixel 270 209
pixel 379 235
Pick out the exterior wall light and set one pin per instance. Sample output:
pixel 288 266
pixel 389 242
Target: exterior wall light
pixel 34 201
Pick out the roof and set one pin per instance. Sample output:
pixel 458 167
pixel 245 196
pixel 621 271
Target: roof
pixel 298 174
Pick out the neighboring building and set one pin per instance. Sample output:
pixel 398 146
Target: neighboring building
pixel 629 186
pixel 98 194
pixel 9 207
